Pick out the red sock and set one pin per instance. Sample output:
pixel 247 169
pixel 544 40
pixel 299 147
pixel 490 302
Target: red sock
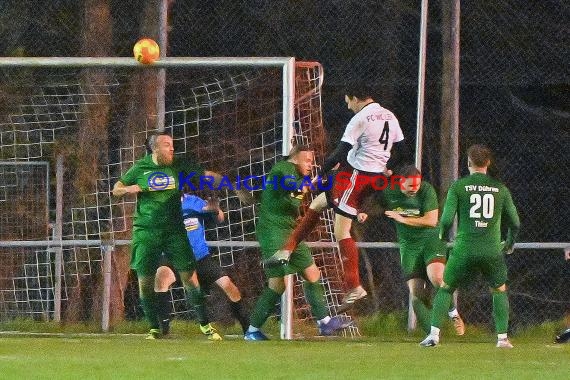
pixel 349 254
pixel 303 229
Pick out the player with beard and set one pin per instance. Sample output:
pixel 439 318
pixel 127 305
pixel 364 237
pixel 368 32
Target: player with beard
pixel 158 225
pixel 280 202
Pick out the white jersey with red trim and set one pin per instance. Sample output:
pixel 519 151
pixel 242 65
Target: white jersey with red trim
pixel 371 132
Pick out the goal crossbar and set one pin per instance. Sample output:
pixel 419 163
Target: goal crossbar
pixel 247 244
pixel 287 64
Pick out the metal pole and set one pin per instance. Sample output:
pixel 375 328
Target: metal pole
pixel 251 244
pixel 58 235
pixel 288 104
pixel 420 122
pixel 114 62
pixel 107 251
pixel 287 309
pixel 161 76
pixel 288 132
pixel 421 84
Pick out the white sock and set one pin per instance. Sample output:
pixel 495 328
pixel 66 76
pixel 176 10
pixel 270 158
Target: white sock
pixel 502 336
pixel 324 321
pixel 434 332
pixel 252 329
pixel 453 313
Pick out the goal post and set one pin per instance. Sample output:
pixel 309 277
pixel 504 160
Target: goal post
pixel 235 115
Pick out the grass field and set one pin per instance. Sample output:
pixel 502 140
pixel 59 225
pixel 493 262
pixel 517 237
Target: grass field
pixel 189 356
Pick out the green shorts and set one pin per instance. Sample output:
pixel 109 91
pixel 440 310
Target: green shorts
pixel 272 241
pixel 148 246
pixel 416 257
pixel 462 266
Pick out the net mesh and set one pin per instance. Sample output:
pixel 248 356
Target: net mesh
pixel 229 120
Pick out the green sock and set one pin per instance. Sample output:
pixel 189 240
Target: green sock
pixel 148 303
pixel 423 314
pixel 196 299
pixel 263 307
pixel 501 311
pixel 441 304
pixel 315 295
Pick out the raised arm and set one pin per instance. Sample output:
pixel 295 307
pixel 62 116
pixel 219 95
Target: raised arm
pixel 429 219
pixel 338 155
pixel 119 189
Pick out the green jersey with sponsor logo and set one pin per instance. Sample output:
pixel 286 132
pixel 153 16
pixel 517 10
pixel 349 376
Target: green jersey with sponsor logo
pixel 480 202
pixel 158 205
pixel 281 198
pixel 412 207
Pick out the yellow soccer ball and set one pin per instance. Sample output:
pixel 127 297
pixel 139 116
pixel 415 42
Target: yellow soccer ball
pixel 146 51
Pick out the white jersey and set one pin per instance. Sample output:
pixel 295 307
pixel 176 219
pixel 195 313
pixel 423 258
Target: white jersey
pixel 371 132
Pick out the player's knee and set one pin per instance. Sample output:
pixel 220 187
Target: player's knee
pixel 437 281
pixel 312 273
pixel 163 279
pixel 231 290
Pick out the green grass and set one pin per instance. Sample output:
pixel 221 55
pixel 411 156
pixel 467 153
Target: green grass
pixel 132 357
pixel 67 352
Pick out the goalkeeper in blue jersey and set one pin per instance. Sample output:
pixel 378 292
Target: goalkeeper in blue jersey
pixel 196 211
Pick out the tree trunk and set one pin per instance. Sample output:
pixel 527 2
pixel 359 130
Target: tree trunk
pixel 450 95
pixel 90 149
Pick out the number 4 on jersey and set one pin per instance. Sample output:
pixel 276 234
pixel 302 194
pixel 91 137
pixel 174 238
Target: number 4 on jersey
pixel 385 134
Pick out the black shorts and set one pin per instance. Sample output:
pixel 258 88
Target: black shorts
pixel 208 270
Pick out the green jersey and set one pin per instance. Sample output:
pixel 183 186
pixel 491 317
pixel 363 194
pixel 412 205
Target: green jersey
pixel 480 203
pixel 412 207
pixel 281 199
pixel 159 205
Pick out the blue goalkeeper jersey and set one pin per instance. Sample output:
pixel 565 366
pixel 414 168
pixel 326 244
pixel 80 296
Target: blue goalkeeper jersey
pixel 193 214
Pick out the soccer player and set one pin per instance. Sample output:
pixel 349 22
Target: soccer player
pixel 363 154
pixel 196 211
pixel 413 206
pixel 280 202
pixel 482 203
pixel 158 225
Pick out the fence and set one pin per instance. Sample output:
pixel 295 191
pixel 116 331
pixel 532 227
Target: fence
pixel 512 97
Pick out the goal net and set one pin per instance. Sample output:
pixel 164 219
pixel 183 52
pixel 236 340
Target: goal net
pixel 228 118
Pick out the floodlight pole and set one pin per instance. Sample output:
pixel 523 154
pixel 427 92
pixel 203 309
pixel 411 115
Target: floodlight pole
pixel 420 120
pixel 421 84
pixel 161 75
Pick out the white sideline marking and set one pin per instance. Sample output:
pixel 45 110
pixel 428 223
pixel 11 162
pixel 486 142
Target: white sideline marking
pixel 66 335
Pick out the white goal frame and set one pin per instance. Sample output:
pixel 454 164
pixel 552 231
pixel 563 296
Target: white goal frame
pixel 287 65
